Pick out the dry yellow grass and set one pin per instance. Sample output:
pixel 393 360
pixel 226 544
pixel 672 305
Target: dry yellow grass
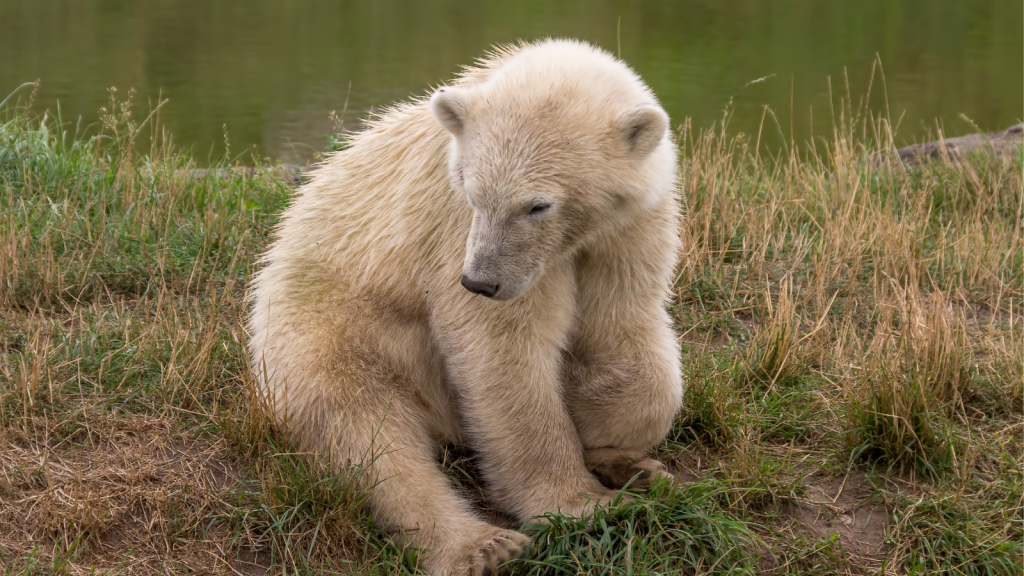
pixel 851 334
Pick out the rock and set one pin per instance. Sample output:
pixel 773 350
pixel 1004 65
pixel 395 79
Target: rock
pixel 1005 143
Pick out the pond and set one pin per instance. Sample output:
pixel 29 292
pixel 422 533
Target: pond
pixel 268 73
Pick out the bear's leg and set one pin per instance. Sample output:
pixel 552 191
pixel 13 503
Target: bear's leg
pixel 409 495
pixel 504 358
pixel 622 402
pixel 415 500
pixel 621 370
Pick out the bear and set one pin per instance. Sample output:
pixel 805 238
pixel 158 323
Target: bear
pixel 488 267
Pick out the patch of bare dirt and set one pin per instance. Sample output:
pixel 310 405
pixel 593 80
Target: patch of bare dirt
pixel 125 493
pixel 844 505
pixel 687 468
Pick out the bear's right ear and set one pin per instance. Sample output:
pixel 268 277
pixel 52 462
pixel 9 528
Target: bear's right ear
pixel 449 107
pixel 642 128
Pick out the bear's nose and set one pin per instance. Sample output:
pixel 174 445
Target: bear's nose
pixel 481 288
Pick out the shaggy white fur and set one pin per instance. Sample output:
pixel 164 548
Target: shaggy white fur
pixel 543 180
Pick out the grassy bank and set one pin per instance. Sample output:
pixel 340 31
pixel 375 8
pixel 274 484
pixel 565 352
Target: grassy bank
pixel 851 337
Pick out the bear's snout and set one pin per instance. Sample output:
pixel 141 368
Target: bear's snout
pixel 481 288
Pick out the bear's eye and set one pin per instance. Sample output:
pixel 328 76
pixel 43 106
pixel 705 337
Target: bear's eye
pixel 538 209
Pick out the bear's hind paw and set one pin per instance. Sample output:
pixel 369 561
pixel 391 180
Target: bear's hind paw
pixel 616 468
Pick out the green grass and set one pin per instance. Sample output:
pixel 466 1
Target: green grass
pixel 670 531
pixel 851 337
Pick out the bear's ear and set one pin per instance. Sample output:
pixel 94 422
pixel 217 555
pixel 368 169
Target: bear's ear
pixel 642 128
pixel 449 107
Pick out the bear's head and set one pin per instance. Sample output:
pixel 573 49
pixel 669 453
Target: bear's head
pixel 558 146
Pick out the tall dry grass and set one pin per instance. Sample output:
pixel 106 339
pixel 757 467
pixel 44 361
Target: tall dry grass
pixel 837 314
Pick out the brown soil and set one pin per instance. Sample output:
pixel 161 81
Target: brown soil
pixel 840 505
pixel 844 505
pixel 124 494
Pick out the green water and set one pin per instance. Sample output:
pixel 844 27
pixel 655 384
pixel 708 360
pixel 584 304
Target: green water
pixel 270 71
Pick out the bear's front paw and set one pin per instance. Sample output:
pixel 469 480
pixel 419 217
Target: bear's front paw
pixel 482 557
pixel 583 504
pixel 615 468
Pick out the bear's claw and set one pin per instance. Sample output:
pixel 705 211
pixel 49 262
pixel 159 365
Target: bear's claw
pixel 502 546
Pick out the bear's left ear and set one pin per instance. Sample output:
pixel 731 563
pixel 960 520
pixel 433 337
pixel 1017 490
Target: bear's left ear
pixel 642 128
pixel 449 107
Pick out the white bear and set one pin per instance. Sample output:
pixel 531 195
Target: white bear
pixel 488 267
